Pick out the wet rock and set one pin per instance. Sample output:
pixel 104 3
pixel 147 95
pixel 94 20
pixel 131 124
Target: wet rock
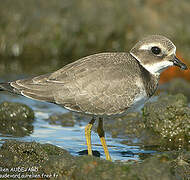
pixel 133 129
pixel 163 166
pixel 126 125
pixel 163 125
pixel 53 162
pixel 169 119
pixel 91 168
pixel 16 119
pixel 31 157
pixel 64 120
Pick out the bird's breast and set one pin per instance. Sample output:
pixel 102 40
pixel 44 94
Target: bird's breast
pixel 138 102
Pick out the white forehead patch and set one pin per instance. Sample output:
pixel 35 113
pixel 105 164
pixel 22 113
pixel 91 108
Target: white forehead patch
pixel 149 46
pixel 157 68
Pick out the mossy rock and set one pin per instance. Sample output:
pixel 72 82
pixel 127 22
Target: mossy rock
pixel 169 118
pixel 16 119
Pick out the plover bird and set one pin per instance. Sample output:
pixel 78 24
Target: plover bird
pixel 104 84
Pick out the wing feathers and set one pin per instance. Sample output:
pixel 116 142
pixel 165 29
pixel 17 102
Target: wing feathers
pixel 36 88
pixel 41 96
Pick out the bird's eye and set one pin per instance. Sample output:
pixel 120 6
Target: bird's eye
pixel 156 50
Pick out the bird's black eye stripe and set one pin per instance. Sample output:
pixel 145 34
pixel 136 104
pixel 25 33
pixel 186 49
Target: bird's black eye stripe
pixel 156 50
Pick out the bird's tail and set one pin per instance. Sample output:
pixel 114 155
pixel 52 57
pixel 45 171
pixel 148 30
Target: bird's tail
pixel 7 87
pixel 30 88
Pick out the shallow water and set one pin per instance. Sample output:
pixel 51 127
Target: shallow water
pixel 70 138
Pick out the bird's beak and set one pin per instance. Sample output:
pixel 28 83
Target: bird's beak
pixel 178 63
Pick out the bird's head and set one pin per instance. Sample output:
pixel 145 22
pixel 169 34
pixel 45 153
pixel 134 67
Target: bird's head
pixel 156 53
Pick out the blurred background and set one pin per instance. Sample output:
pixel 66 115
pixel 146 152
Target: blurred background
pixel 41 36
